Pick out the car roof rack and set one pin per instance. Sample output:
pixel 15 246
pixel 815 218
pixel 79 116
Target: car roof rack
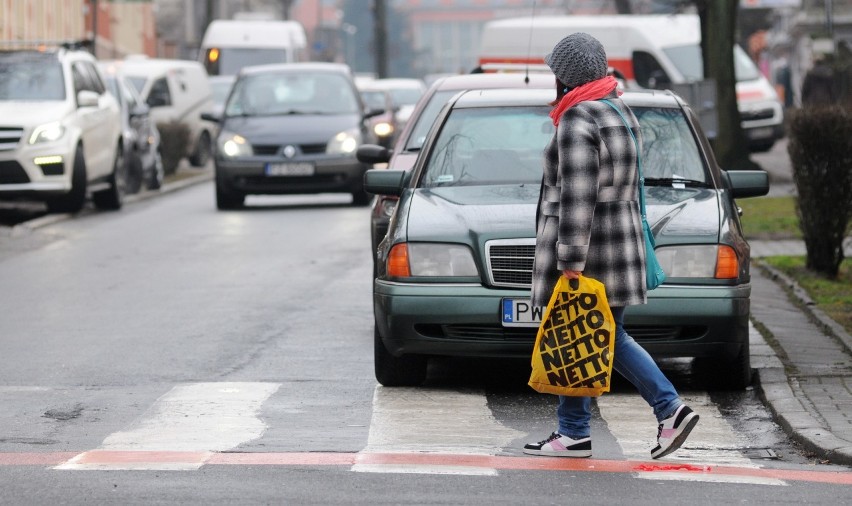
pixel 46 44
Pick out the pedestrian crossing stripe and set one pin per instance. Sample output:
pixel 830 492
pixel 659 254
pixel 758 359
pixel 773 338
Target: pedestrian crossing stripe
pixel 454 432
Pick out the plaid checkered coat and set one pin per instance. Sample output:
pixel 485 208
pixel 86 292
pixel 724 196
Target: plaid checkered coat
pixel 588 213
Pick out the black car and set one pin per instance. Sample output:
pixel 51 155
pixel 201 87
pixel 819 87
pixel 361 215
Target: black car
pixel 291 128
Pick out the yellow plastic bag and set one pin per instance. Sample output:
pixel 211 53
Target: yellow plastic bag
pixel 575 342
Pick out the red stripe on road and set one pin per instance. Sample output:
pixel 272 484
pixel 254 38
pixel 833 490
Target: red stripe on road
pixel 35 459
pixel 431 459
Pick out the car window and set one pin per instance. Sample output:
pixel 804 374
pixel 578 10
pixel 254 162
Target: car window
pixel 668 145
pixel 94 77
pixel 23 78
pixel 489 146
pixel 405 96
pixel 690 63
pixel 160 95
pixel 82 79
pixel 275 93
pixel 427 116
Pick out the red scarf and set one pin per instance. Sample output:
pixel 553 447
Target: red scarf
pixel 592 90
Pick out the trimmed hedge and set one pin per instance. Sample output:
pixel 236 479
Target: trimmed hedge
pixel 821 157
pixel 174 139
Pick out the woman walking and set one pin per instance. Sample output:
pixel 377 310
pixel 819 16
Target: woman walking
pixel 588 223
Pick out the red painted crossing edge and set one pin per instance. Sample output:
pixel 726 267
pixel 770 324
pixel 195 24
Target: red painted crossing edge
pixel 105 457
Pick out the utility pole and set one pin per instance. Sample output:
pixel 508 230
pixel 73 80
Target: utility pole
pixel 381 36
pixel 95 28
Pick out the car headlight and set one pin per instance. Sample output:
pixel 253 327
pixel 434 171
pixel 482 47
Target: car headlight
pixel 717 261
pixel 344 143
pixel 383 129
pixel 232 145
pixel 47 133
pixel 431 259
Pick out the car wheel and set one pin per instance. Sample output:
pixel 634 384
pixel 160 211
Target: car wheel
pixel 154 177
pixel 135 174
pixel 202 151
pixel 726 373
pixel 391 371
pixel 361 198
pixel 112 197
pixel 228 200
pixel 74 200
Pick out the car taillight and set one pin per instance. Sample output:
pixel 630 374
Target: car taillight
pixel 727 265
pixel 398 266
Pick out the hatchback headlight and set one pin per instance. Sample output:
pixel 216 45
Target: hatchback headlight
pixel 344 143
pixel 47 133
pixel 232 145
pixel 717 261
pixel 431 259
pixel 383 129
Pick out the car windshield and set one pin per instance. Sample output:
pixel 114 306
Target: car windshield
pixel 405 96
pixel 427 116
pixel 276 93
pixel 374 100
pixel 505 145
pixel 233 59
pixel 489 146
pixel 31 78
pixel 689 62
pixel 220 89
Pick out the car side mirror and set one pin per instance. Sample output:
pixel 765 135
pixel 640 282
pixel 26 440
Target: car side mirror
pixel 373 154
pixel 209 116
pixel 87 98
pixel 140 111
pixel 747 183
pixel 385 181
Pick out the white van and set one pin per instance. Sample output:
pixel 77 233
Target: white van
pixel 650 51
pixel 177 91
pixel 231 44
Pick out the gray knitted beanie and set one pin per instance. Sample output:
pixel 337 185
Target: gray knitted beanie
pixel 577 59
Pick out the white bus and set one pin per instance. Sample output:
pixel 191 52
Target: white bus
pixel 649 51
pixel 229 45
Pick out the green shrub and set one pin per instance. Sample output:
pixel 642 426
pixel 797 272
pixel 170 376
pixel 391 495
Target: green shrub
pixel 822 170
pixel 174 139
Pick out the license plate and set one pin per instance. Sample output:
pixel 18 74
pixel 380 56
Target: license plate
pixel 290 169
pixel 520 313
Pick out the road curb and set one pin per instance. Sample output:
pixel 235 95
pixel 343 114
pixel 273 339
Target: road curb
pixel 797 420
pixel 50 219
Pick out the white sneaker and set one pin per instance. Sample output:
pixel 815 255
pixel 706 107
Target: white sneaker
pixel 558 445
pixel 673 431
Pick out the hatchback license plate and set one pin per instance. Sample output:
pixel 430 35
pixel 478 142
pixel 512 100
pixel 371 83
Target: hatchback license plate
pixel 520 313
pixel 290 169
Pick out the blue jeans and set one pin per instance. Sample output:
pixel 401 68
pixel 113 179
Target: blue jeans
pixel 637 366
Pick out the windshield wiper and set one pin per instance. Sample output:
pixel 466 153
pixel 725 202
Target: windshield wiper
pixel 669 181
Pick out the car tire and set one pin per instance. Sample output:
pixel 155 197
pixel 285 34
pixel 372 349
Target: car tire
pixel 135 174
pixel 226 200
pixel 75 199
pixel 154 178
pixel 725 373
pixel 391 371
pixel 202 151
pixel 361 198
pixel 112 198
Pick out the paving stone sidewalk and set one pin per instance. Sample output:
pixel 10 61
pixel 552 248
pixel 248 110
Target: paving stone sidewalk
pixel 805 370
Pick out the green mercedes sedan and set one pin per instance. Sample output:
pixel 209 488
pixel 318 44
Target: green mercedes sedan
pixel 454 270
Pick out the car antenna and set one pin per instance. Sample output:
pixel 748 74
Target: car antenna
pixel 529 45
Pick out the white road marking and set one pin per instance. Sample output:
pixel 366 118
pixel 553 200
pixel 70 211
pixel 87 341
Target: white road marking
pixel 713 442
pixel 424 420
pixel 195 419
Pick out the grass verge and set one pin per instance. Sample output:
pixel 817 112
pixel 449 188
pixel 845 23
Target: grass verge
pixel 770 218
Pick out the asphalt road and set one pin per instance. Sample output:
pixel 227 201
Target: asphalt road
pixel 169 353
